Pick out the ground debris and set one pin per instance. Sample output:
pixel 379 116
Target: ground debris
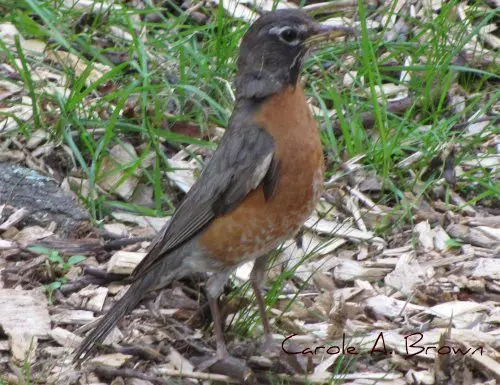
pixel 24 318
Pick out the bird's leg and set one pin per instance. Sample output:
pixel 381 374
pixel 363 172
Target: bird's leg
pixel 257 278
pixel 222 352
pixel 215 285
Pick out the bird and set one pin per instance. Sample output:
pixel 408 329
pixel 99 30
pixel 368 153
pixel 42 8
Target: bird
pixel 261 184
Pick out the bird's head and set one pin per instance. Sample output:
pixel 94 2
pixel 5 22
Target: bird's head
pixel 272 52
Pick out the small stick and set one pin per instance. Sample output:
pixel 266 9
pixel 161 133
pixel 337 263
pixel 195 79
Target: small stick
pixel 109 372
pixel 198 375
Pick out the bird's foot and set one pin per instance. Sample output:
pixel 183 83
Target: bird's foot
pixel 230 366
pixel 268 343
pixel 207 363
pixel 270 346
pixel 221 355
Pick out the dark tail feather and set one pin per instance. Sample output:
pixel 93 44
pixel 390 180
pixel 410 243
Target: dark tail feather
pixel 124 306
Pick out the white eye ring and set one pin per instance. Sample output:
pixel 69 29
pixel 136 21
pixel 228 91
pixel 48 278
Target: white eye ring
pixel 287 35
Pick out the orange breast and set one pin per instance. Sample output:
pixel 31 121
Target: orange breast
pixel 257 226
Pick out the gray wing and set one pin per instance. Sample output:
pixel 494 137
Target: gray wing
pixel 243 160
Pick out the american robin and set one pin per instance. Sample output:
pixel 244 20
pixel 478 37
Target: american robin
pixel 261 184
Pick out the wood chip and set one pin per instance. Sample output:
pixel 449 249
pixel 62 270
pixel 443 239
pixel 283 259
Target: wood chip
pixel 490 232
pixel 73 317
pixel 471 235
pixel 463 205
pixel 397 251
pixel 456 308
pixel 491 40
pixel 236 9
pixel 65 338
pixel 410 160
pixel 343 230
pixel 143 221
pixel 14 219
pixel 407 274
pixel 34 47
pixel 77 64
pixel 212 377
pixel 114 360
pixel 6 245
pixel 486 364
pixel 117 229
pixel 114 168
pixel 24 316
pixel 120 33
pixel 22 112
pixel 97 295
pixel 8 32
pixel 180 362
pixel 350 79
pixel 420 377
pixel 182 174
pixel 55 351
pixel 64 374
pixel 23 345
pixel 441 238
pixel 487 268
pixel 124 262
pixel 351 270
pixel 8 88
pixel 390 307
pixel 32 233
pixel 493 221
pixel 329 5
pixel 389 89
pixel 425 236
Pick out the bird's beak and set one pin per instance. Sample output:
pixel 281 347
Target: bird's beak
pixel 323 32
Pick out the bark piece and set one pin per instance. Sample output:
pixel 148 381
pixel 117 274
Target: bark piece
pixel 42 198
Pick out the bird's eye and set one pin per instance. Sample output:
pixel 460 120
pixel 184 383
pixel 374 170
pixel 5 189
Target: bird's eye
pixel 289 35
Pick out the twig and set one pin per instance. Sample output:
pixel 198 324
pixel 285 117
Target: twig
pixel 121 242
pixel 495 119
pixel 69 247
pixel 143 352
pixel 354 209
pixel 103 275
pixel 368 118
pixel 18 373
pixel 329 6
pixel 195 7
pixel 107 372
pixel 327 378
pixel 363 198
pixel 79 284
pixel 197 375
